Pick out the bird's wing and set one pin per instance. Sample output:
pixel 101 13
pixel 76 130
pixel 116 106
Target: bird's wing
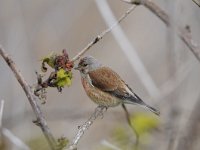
pixel 109 81
pixel 104 78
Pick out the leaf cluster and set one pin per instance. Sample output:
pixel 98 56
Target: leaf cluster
pixel 60 77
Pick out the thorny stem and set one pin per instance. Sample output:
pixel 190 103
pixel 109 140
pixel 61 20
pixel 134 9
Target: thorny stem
pixel 102 34
pixel 32 99
pixel 81 129
pixel 130 124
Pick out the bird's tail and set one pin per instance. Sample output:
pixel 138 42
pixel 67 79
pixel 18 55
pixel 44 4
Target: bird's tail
pixel 155 111
pixel 138 101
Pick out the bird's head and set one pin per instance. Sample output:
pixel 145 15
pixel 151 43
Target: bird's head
pixel 88 64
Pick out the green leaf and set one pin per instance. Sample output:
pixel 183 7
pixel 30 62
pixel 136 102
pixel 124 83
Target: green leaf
pixel 144 122
pixel 63 78
pixel 37 143
pixel 50 60
pixel 121 137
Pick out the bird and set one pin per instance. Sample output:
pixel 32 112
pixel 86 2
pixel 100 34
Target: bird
pixel 105 87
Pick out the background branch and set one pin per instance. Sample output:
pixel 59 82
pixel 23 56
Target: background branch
pixel 197 2
pixel 182 33
pixel 1 117
pixel 32 99
pixel 191 132
pixel 13 140
pixel 110 145
pixel 1 112
pixel 7 138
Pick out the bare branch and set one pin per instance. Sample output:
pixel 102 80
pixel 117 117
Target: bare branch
pixel 81 129
pixel 1 112
pixel 190 136
pixel 102 34
pixel 1 117
pixel 197 2
pixel 185 35
pixel 182 33
pixel 32 99
pixel 17 143
pixel 8 135
pixel 110 145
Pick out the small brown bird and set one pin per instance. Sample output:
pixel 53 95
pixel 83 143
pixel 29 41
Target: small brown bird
pixel 105 87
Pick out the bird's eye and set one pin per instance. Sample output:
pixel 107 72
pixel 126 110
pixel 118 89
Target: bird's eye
pixel 84 65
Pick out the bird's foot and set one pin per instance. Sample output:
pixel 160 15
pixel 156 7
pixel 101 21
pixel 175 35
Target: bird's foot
pixel 99 111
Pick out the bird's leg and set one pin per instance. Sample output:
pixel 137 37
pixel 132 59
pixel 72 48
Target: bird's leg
pixel 99 111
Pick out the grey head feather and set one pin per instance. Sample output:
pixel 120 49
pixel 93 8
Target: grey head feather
pixel 89 63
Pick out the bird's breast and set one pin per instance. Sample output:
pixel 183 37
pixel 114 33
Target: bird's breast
pixel 98 96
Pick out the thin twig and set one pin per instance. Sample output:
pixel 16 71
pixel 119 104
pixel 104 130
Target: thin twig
pixel 81 129
pixel 128 118
pixel 102 34
pixel 31 97
pixel 185 35
pixel 197 2
pixel 182 33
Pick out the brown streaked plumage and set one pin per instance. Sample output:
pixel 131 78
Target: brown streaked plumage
pixel 105 87
pixel 106 79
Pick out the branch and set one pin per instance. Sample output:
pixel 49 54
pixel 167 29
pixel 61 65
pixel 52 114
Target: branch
pixel 1 118
pixel 1 112
pixel 31 97
pixel 130 124
pixel 191 134
pixel 81 129
pixel 14 140
pixel 110 145
pixel 185 35
pixel 7 136
pixel 182 33
pixel 197 2
pixel 102 34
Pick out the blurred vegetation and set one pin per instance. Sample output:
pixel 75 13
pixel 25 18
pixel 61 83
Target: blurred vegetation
pixel 144 124
pixel 40 143
pixel 62 143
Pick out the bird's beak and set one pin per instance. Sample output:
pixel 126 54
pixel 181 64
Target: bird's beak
pixel 77 67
